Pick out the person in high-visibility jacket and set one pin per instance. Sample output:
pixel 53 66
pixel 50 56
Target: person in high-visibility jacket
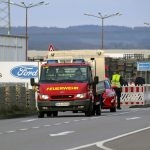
pixel 116 83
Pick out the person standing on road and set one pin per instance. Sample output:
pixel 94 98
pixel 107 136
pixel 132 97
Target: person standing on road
pixel 139 81
pixel 116 82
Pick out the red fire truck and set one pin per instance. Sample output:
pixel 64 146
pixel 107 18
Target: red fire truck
pixel 68 86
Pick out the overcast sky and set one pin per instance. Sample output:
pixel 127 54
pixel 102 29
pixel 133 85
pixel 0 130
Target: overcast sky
pixel 65 13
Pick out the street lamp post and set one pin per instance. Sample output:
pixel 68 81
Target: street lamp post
pixel 102 17
pixel 147 73
pixel 26 6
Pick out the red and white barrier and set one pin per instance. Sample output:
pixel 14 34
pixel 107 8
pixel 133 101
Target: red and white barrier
pixel 135 95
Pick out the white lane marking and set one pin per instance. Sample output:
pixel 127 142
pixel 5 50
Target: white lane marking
pixel 62 133
pixel 94 117
pixel 84 119
pixel 133 118
pixel 76 120
pixel 23 129
pixel 100 144
pixel 29 120
pixel 10 131
pixel 120 114
pixel 47 125
pixel 56 124
pixel 67 122
pixel 35 127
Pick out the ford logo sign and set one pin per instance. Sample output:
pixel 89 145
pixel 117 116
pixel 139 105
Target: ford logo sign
pixel 25 71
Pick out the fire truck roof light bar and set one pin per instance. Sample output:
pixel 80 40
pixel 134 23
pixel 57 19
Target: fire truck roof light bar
pixel 65 61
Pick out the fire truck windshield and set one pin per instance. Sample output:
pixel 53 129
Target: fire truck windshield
pixel 58 74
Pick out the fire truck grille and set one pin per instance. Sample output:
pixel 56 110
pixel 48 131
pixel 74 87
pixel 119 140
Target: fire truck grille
pixel 62 96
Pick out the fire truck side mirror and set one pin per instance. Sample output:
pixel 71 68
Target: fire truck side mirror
pixel 32 82
pixel 96 79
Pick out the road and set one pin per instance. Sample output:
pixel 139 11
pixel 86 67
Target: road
pixel 127 129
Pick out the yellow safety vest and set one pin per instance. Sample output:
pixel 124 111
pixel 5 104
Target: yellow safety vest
pixel 115 82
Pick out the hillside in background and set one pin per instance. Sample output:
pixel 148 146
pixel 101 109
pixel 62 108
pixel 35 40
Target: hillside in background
pixel 85 37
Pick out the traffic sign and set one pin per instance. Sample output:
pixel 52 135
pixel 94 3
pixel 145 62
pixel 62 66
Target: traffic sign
pixel 51 47
pixel 143 66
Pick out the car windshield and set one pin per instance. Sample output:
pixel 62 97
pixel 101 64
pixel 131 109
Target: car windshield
pixel 55 74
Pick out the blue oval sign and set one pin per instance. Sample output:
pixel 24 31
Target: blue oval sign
pixel 25 71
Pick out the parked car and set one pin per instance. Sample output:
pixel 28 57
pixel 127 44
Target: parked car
pixel 108 97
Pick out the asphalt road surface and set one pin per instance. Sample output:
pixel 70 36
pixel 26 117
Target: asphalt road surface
pixel 127 129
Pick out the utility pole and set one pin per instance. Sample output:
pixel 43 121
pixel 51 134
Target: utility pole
pixel 5 21
pixel 26 7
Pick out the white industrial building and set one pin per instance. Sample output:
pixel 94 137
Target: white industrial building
pixel 12 48
pixel 115 53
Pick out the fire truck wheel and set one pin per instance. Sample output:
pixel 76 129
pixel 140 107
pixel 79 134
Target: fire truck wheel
pixel 55 113
pixel 113 109
pixel 75 111
pixel 40 114
pixel 49 114
pixel 98 110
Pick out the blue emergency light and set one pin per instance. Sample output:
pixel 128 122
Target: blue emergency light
pixel 78 61
pixel 52 61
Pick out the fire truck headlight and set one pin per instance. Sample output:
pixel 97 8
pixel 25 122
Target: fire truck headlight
pixel 44 97
pixel 83 95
